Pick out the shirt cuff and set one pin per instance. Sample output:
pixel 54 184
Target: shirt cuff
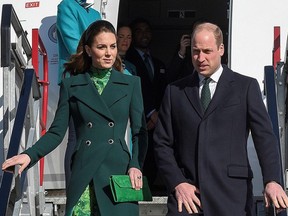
pixel 150 113
pixel 181 56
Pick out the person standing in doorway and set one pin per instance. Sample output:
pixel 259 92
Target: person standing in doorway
pixel 153 81
pixel 124 39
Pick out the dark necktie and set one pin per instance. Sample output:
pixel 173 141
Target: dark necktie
pixel 205 93
pixel 148 66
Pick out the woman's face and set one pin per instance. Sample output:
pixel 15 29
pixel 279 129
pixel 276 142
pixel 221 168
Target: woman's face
pixel 124 39
pixel 103 50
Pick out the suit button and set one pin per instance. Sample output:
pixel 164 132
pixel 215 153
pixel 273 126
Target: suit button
pixel 111 124
pixel 110 141
pixel 88 142
pixel 89 125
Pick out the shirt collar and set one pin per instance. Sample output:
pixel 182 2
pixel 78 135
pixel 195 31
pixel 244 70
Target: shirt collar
pixel 215 76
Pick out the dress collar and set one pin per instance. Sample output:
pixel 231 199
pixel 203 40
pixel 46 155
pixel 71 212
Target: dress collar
pixel 99 73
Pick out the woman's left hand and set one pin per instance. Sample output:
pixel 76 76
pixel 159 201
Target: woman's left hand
pixel 135 178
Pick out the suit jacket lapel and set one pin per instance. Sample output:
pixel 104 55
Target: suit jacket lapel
pixel 223 90
pixel 83 89
pixel 139 61
pixel 192 92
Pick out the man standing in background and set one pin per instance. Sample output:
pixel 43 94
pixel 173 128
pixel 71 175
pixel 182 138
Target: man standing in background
pixel 153 82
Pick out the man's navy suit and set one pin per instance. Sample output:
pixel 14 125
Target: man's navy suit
pixel 209 150
pixel 152 92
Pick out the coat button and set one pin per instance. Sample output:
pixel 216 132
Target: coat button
pixel 88 142
pixel 111 124
pixel 110 141
pixel 89 125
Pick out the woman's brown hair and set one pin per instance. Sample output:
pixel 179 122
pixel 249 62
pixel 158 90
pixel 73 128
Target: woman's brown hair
pixel 80 62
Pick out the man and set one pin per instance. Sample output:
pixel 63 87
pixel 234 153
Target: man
pixel 202 154
pixel 73 17
pixel 181 66
pixel 153 82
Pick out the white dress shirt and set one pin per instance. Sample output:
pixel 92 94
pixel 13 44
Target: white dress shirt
pixel 213 83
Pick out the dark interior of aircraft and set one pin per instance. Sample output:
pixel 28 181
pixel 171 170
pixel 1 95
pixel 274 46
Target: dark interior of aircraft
pixel 171 19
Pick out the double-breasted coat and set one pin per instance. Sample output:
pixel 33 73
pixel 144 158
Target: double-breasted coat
pixel 209 150
pixel 100 124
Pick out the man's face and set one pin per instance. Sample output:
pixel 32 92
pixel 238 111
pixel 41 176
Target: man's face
pixel 142 36
pixel 206 55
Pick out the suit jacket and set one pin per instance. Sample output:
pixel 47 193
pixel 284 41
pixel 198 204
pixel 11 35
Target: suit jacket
pixel 179 68
pixel 100 124
pixel 209 149
pixel 152 91
pixel 72 21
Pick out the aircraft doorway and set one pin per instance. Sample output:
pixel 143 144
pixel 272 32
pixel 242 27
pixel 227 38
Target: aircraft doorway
pixel 171 19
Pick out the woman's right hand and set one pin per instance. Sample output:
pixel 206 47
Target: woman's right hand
pixel 135 178
pixel 22 160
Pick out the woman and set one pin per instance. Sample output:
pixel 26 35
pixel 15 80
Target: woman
pixel 100 100
pixel 124 38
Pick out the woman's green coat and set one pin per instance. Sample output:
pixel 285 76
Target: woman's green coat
pixel 100 122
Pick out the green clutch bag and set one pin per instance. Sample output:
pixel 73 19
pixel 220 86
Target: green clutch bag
pixel 122 190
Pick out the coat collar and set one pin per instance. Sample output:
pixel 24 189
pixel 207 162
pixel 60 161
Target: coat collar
pixel 113 92
pixel 223 90
pixel 84 90
pixel 192 92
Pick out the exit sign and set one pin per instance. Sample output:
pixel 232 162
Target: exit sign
pixel 32 4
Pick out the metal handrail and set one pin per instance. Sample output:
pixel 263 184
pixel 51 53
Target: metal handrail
pixel 276 47
pixel 10 17
pixel 30 82
pixel 15 138
pixel 38 46
pixel 275 101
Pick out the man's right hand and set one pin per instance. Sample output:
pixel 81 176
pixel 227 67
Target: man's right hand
pixel 184 43
pixel 186 195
